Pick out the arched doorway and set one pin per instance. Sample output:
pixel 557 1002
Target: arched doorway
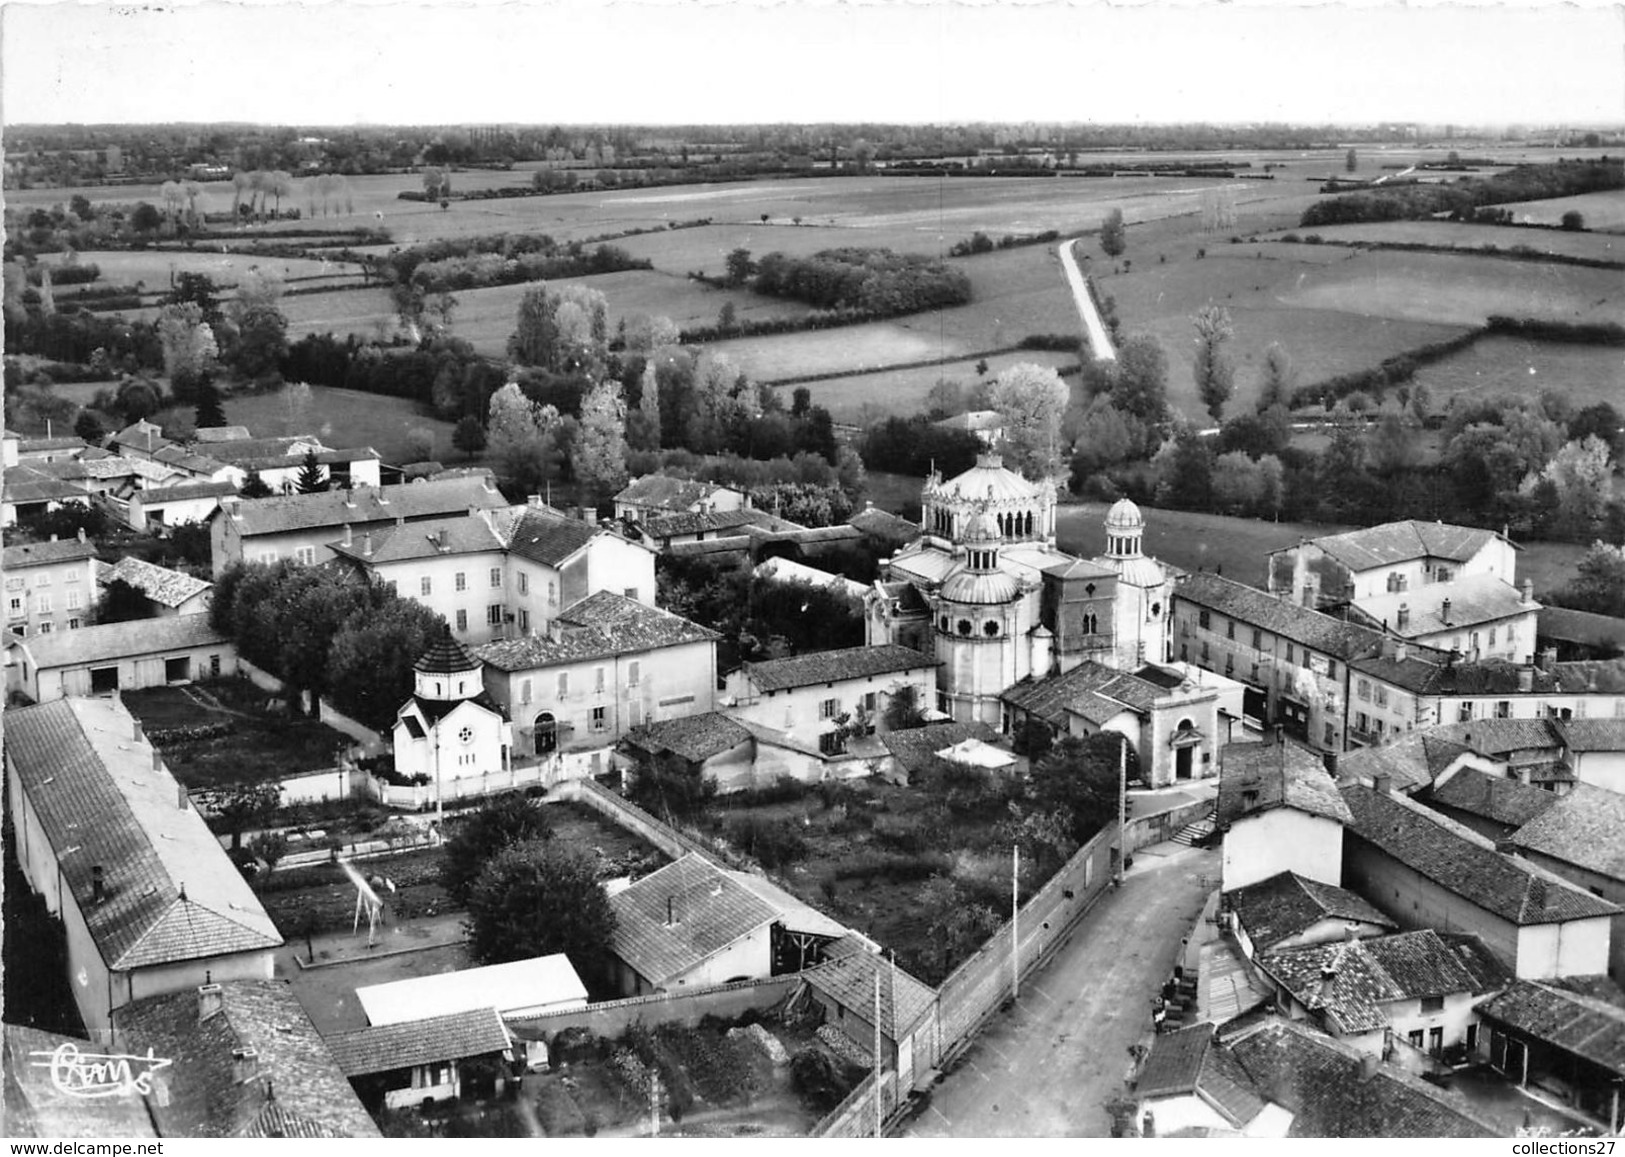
pixel 1185 742
pixel 547 733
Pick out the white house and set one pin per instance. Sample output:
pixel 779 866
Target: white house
pixel 1595 749
pixel 1478 616
pixel 110 842
pixel 417 1062
pixel 175 505
pixel 49 585
pixel 659 495
pixel 1394 558
pixel 450 730
pixel 119 657
pixel 1280 812
pixel 167 592
pixel 1289 911
pixel 1581 837
pixel 1192 1087
pixel 690 926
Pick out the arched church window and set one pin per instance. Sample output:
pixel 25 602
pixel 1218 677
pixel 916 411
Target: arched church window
pixel 1090 623
pixel 991 628
pixel 964 627
pixel 1029 529
pixel 547 733
pixel 1156 610
pixel 945 623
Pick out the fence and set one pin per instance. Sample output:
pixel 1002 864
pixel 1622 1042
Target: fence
pixel 340 782
pixel 629 816
pixel 855 1116
pixel 611 1018
pixel 418 797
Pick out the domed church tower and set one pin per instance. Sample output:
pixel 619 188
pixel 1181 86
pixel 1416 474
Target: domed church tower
pixel 978 624
pixel 1140 610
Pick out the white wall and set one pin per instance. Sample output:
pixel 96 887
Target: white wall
pixel 134 673
pixel 750 957
pixel 1601 769
pixel 1282 840
pixel 1189 1111
pixel 1575 948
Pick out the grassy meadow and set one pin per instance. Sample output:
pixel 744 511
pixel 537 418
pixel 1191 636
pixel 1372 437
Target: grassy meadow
pixel 1463 235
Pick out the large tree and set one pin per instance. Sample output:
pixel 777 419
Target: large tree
pixel 599 460
pixel 211 412
pixel 509 818
pixel 369 664
pixel 262 330
pixel 312 478
pixel 539 897
pixel 189 347
pixel 1079 778
pixel 1599 584
pixel 667 786
pixel 469 435
pixel 1215 373
pixel 1031 400
pixel 1139 382
pixel 122 603
pixel 1280 379
pixel 1113 234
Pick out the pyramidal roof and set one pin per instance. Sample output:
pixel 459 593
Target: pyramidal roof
pixel 445 656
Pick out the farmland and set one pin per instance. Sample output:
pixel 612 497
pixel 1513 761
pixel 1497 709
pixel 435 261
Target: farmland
pixel 1601 210
pixel 1461 235
pixel 1494 366
pixel 157 268
pixel 903 392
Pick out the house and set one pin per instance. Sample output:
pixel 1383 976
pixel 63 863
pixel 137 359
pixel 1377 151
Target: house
pixel 417 1062
pixel 659 495
pixel 1427 871
pixel 555 561
pixel 712 745
pixel 1171 721
pixel 1191 1087
pixel 1529 750
pixel 1335 1090
pixel 819 696
pixel 689 925
pixel 280 461
pixel 1581 837
pixel 49 585
pixel 520 988
pixel 245 1062
pixel 1594 749
pixel 451 730
pixel 1411 762
pixel 108 839
pixel 1580 634
pixel 457 567
pixel 915 750
pixel 607 665
pixel 788 570
pixel 666 530
pixel 177 504
pixel 844 986
pixel 301 526
pixel 1478 616
pixel 1280 812
pixel 801 935
pixel 1290 911
pixel 167 592
pixel 883 530
pixel 1487 802
pixel 1567 1037
pixel 39 1104
pixel 120 657
pixel 27 492
pixel 1420 987
pixel 1396 557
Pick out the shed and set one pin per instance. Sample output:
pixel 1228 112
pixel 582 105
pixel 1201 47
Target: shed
pixel 531 987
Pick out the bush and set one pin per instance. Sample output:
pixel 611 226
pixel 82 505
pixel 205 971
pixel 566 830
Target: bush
pixel 772 843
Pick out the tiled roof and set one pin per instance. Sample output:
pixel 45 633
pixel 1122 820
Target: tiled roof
pixel 1319 1081
pixel 1568 1016
pixel 849 979
pixel 1605 676
pixel 26 554
pixel 363 504
pixel 694 737
pixel 1349 982
pixel 662 490
pixel 1412 761
pixel 123 640
pixel 1499 736
pixel 445 655
pixel 432 1040
pixel 182 492
pixel 169 588
pixel 835 666
pixel 1491 797
pixel 1175 1062
pixel 702 521
pixel 183 459
pixel 883 524
pixel 36 1107
pixel 45 445
pixel 1564 625
pixel 1428 671
pixel 142 435
pixel 1395 542
pixel 1473 600
pixel 1591 734
pixel 1286 904
pixel 1256 777
pixel 298 1090
pixel 789 912
pixel 250 453
pixel 1465 863
pixel 428 538
pixel 916 747
pixel 599 625
pixel 709 912
pixel 548 537
pixel 733 544
pixel 223 434
pixel 1298 624
pixel 1586 827
pixel 170 892
pixel 23 485
pixel 1095 691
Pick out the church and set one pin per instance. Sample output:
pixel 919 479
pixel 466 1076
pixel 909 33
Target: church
pixel 985 590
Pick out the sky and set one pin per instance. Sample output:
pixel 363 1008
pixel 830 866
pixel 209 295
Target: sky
pixel 701 61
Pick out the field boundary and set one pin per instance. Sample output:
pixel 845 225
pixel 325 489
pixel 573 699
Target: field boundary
pixel 1491 252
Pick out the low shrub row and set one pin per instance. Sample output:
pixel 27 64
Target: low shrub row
pixel 981 243
pixel 1390 372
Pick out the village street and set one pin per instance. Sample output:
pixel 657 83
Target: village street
pixel 1048 1066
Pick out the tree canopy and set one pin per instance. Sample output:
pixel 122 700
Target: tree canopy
pixel 509 818
pixel 538 897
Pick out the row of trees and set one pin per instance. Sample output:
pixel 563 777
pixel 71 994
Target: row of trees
pixel 878 282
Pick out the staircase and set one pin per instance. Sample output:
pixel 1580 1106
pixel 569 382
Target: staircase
pixel 1198 829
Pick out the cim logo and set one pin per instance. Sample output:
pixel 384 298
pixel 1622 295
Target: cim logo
pixel 91 1075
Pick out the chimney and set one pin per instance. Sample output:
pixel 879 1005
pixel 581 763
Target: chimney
pixel 533 500
pixel 1370 1066
pixel 489 484
pixel 671 912
pixel 1528 591
pixel 1526 679
pixel 1402 651
pixel 157 760
pixel 245 1065
pixel 1548 659
pixel 182 799
pixel 349 500
pixel 1382 783
pixel 98 886
pixel 210 1000
pixel 349 539
pixel 554 631
pixel 1444 612
pixel 138 734
pixel 366 544
pixel 1402 619
pixel 383 496
pixel 81 534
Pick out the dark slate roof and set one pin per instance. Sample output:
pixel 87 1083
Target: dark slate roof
pixel 26 554
pixel 1412 761
pixel 1309 628
pixel 1563 625
pixel 663 490
pixel 124 640
pixel 46 445
pixel 848 978
pixel 1286 904
pixel 1257 777
pixel 1463 862
pixel 454 1036
pixel 182 492
pixel 1319 1081
pixel 1473 600
pixel 546 536
pixel 361 505
pixel 732 544
pixel 1426 671
pixel 693 737
pixel 1591 734
pixel 703 521
pixel 36 1107
pixel 915 747
pixel 710 913
pixel 170 892
pixel 24 484
pixel 426 538
pixel 1491 797
pixel 446 656
pixel 1586 827
pixel 1580 1015
pixel 1095 691
pixel 1601 675
pixel 599 625
pixel 883 524
pixel 299 1090
pixel 1349 982
pixel 835 666
pixel 1175 1062
pixel 1395 542
pixel 1499 736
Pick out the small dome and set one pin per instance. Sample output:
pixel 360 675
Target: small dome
pixel 1142 572
pixel 980 588
pixel 445 656
pixel 1124 515
pixel 982 527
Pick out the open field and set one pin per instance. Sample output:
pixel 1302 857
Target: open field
pixel 875 344
pixel 903 392
pixel 1601 210
pixel 358 311
pixel 158 268
pixel 1494 365
pixel 1461 235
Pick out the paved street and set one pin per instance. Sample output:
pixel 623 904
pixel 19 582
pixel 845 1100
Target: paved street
pixel 1048 1067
